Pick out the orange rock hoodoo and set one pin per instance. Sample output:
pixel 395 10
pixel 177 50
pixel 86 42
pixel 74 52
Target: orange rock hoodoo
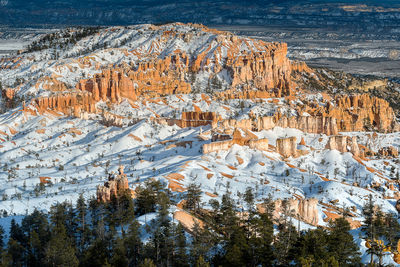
pixel 192 119
pixel 150 79
pixel 390 151
pixel 71 104
pixel 287 147
pixel 114 187
pixel 261 70
pixel 304 209
pixel 196 119
pixel 269 69
pixel 361 112
pixel 344 144
pixel 308 124
pixel 238 139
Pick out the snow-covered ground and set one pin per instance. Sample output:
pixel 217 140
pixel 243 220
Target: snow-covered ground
pixel 77 154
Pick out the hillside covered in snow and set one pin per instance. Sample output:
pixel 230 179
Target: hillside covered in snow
pixel 185 104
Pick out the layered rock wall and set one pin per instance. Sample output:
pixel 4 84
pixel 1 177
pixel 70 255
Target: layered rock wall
pixel 259 144
pixel 192 119
pixel 287 147
pixel 305 210
pixel 150 79
pixel 361 112
pixel 308 124
pixel 343 144
pixel 217 146
pixel 238 139
pixel 70 104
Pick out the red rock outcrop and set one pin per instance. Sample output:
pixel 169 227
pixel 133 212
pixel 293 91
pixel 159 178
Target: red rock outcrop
pixel 217 146
pixel 265 70
pixel 389 152
pixel 361 112
pixel 310 124
pixel 154 78
pixel 196 119
pixel 344 144
pixel 307 124
pixel 70 104
pixel 259 144
pixel 287 147
pixel 300 66
pixel 114 187
pixel 238 139
pixel 305 210
pixel 187 220
pixel 191 119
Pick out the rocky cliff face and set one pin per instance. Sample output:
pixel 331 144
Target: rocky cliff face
pixel 308 124
pixel 150 79
pixel 362 112
pixel 250 68
pixel 237 138
pixel 287 147
pixel 70 104
pixel 305 210
pixel 344 144
pixel 191 119
pixel 264 70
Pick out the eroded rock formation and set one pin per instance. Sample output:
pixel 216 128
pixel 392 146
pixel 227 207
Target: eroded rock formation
pixel 361 112
pixel 150 79
pixel 114 187
pixel 389 152
pixel 287 147
pixel 307 124
pixel 238 139
pixel 344 144
pixel 304 209
pixel 70 104
pixel 192 119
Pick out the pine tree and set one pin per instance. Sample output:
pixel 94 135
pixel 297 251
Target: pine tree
pixel 16 245
pixel 228 216
pixel 368 214
pixel 147 263
pixel 17 233
pixel 120 211
pixel 36 251
pixel 202 243
pixel 60 250
pixel 119 257
pixel 341 244
pixel 146 197
pixel 15 253
pixel 312 244
pixel 99 250
pixel 1 239
pixel 193 198
pixel 36 226
pixel 163 234
pixel 236 248
pixel 261 241
pixel 392 229
pixel 180 255
pixel 82 228
pixel 133 244
pixel 287 236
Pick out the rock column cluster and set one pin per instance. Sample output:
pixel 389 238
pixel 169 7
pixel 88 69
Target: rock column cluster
pixel 114 187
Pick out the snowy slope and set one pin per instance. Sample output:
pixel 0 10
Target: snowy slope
pixel 77 154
